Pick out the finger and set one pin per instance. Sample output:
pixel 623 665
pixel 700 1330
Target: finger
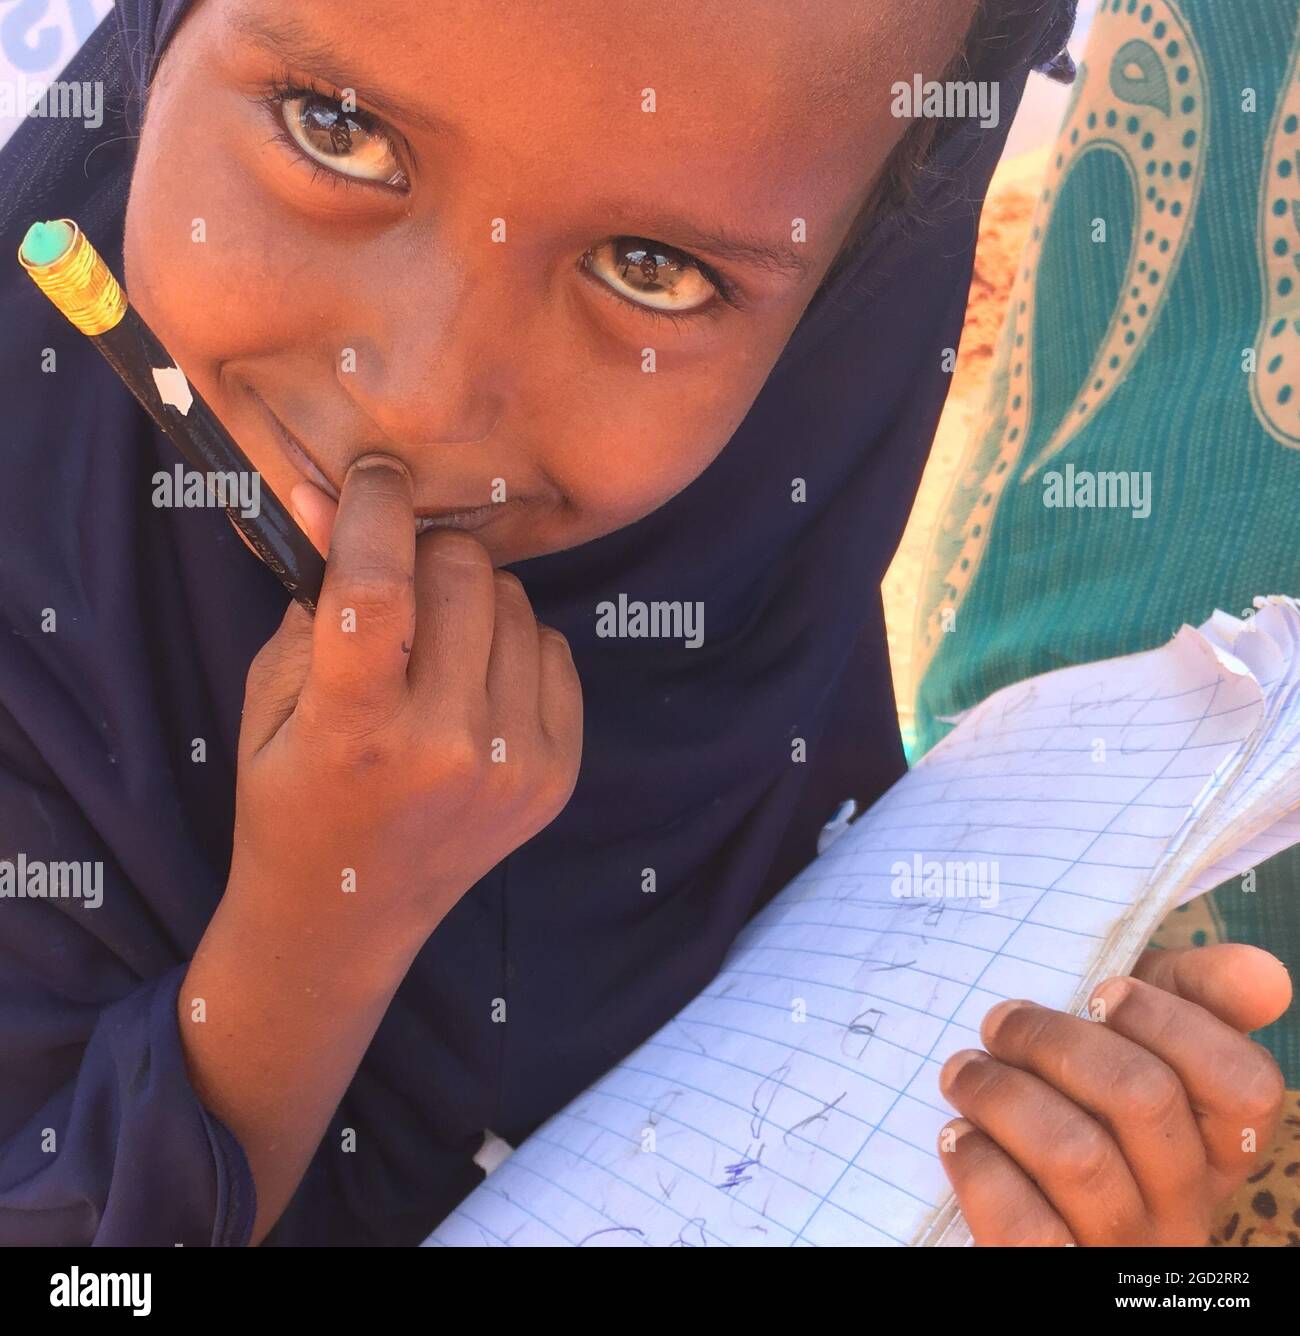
pixel 456 613
pixel 1243 986
pixel 365 621
pixel 514 662
pixel 1001 1203
pixel 1139 1097
pixel 559 695
pixel 1233 1085
pixel 275 679
pixel 1076 1163
pixel 315 512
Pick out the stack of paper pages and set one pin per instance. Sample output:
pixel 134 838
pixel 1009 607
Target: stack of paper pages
pixel 1029 855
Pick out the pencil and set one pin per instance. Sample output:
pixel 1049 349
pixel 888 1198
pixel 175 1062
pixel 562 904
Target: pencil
pixel 72 274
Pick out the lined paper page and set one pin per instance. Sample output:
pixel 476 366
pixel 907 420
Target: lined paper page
pixel 1265 798
pixel 1281 835
pixel 1249 812
pixel 795 1101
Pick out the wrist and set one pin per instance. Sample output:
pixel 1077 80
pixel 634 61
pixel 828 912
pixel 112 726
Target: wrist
pixel 335 942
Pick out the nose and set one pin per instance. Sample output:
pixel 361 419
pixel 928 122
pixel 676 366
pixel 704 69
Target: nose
pixel 429 352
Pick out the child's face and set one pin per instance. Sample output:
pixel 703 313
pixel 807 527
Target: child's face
pixel 474 269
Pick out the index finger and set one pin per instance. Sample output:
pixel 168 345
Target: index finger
pixel 365 620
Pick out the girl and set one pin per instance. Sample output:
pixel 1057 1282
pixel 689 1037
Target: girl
pixel 477 290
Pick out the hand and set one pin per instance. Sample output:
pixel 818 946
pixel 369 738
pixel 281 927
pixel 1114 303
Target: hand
pixel 398 746
pixel 1127 1130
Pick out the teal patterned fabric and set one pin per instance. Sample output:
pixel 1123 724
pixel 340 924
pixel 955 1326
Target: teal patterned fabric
pixel 1138 464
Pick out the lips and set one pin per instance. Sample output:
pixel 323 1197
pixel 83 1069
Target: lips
pixel 458 517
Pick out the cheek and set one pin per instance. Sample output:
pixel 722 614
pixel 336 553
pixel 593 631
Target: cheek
pixel 207 266
pixel 622 444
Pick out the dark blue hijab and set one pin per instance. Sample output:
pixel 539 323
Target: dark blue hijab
pixel 687 758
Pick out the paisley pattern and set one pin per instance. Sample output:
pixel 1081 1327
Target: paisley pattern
pixel 1140 95
pixel 1275 386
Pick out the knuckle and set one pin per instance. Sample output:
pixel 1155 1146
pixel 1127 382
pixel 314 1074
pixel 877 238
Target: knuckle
pixel 560 668
pixel 1261 1087
pixel 1027 1229
pixel 556 639
pixel 376 591
pixel 510 589
pixel 460 757
pixel 557 787
pixel 1081 1153
pixel 1148 1090
pixel 455 545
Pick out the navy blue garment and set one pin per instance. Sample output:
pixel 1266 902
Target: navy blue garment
pixel 687 751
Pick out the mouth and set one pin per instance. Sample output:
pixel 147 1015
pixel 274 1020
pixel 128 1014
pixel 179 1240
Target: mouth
pixel 455 517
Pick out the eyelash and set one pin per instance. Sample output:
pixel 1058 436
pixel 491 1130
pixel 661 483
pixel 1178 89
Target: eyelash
pixel 727 296
pixel 285 88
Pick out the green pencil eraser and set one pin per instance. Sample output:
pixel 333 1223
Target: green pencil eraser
pixel 46 242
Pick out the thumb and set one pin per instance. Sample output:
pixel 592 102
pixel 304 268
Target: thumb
pixel 1242 985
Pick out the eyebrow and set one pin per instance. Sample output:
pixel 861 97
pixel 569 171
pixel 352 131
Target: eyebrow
pixel 761 252
pixel 292 42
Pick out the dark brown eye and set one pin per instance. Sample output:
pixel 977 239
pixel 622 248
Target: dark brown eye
pixel 352 143
pixel 650 274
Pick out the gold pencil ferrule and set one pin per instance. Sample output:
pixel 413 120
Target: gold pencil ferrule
pixel 81 285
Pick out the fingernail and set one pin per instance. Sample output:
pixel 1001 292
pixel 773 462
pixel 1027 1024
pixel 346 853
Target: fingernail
pixel 995 1017
pixel 956 1064
pixel 1106 997
pixel 378 461
pixel 295 509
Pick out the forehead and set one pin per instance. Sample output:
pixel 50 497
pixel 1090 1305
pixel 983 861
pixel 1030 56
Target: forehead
pixel 783 100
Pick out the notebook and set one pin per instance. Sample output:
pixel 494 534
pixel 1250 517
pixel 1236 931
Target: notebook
pixel 1030 854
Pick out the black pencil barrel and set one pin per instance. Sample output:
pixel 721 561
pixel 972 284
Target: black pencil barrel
pixel 134 352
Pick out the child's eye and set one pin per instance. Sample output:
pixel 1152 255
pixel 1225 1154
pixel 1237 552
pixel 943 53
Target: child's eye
pixel 350 143
pixel 653 276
